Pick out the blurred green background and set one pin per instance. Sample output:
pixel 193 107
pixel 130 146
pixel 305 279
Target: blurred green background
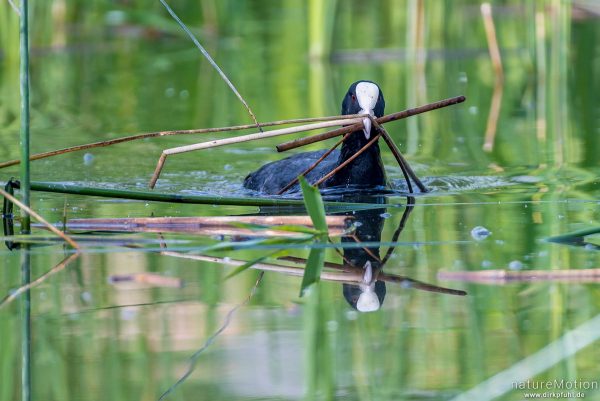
pixel 102 69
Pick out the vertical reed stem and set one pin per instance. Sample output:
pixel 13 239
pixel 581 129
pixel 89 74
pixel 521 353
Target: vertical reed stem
pixel 25 322
pixel 24 84
pixel 25 221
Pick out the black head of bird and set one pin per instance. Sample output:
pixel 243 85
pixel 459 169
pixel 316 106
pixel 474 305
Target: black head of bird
pixel 364 97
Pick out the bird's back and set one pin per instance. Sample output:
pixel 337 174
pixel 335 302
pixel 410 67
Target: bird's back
pixel 272 177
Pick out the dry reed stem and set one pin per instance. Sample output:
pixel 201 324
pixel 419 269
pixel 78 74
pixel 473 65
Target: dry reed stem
pixel 152 279
pixel 15 7
pixel 490 33
pixel 311 168
pixel 294 271
pixel 159 134
pixel 40 219
pixel 216 225
pixel 402 161
pixel 211 61
pixel 492 122
pixel 396 152
pixel 381 276
pixel 348 161
pixel 243 138
pixel 503 276
pixel 381 120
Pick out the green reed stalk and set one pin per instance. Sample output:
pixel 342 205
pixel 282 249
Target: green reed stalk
pixel 24 82
pixel 25 187
pixel 25 320
pixel 178 198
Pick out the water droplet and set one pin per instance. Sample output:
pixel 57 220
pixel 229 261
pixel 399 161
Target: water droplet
pixel 473 110
pixel 115 17
pixel 128 313
pixel 88 159
pixel 184 94
pixel 332 325
pixel 351 315
pixel 515 265
pixel 385 215
pixel 170 92
pixel 86 296
pixel 480 233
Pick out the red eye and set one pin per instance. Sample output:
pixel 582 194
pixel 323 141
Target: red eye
pixel 353 97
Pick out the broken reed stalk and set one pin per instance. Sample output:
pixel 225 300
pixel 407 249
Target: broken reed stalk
pixel 311 168
pixel 39 218
pixel 158 134
pixel 348 161
pixel 243 138
pixel 211 61
pixel 381 120
pixel 15 294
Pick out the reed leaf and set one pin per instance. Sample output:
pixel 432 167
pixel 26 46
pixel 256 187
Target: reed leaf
pixel 252 262
pixel 314 205
pixel 593 239
pixel 316 211
pixel 314 266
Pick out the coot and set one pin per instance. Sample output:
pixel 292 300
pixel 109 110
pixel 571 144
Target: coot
pixel 366 171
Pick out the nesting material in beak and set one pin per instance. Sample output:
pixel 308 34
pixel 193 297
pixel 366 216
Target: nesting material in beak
pixel 367 94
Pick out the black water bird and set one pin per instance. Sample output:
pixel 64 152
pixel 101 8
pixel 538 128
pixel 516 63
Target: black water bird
pixel 366 171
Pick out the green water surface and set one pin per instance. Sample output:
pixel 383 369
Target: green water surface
pixel 104 69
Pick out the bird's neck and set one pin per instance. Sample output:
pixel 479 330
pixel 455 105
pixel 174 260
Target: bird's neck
pixel 366 169
pixel 355 143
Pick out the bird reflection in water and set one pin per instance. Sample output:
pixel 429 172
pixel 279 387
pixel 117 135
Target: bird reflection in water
pixel 361 273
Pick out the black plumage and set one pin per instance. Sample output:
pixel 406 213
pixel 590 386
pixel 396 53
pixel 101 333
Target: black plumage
pixel 366 171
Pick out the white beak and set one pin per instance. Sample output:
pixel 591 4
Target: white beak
pixel 367 94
